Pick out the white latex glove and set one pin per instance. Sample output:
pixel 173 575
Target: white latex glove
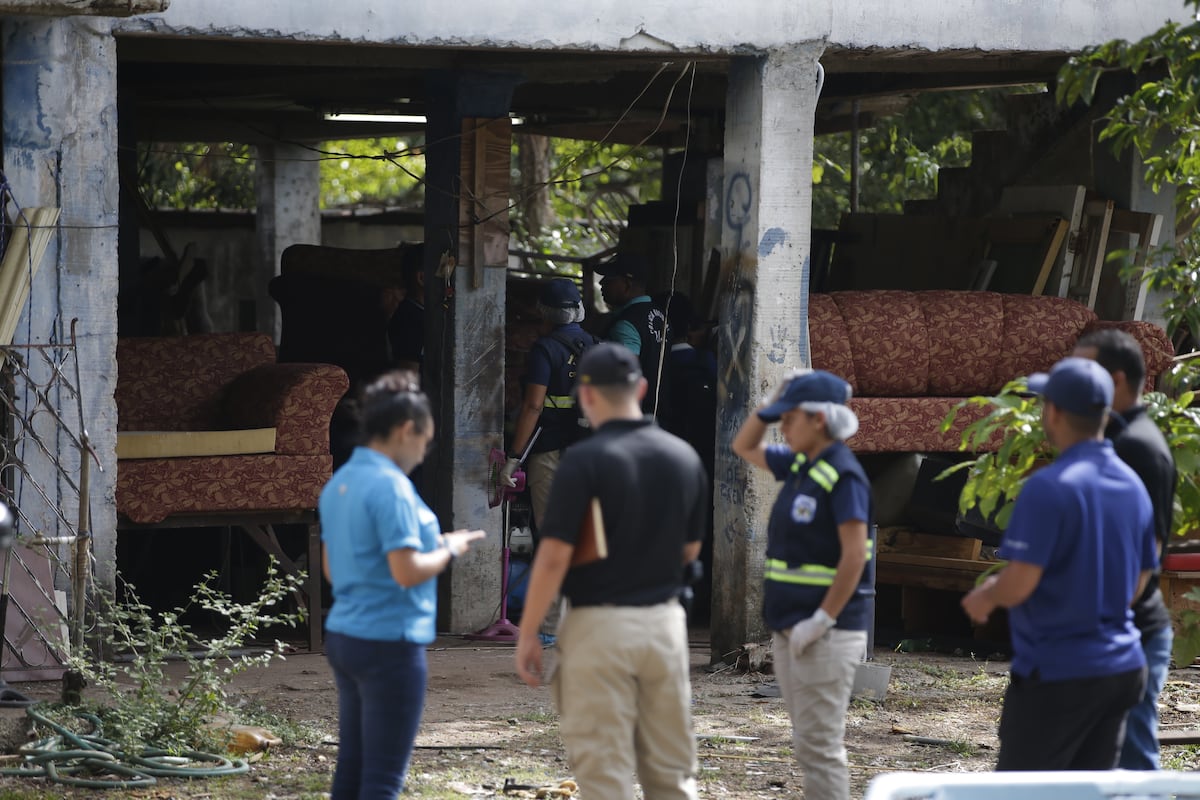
pixel 807 631
pixel 506 474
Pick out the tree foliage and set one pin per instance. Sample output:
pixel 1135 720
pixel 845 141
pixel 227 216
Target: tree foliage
pixel 591 187
pixel 198 175
pixel 1159 120
pixel 373 171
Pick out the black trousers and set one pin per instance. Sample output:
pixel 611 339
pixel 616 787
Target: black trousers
pixel 1069 724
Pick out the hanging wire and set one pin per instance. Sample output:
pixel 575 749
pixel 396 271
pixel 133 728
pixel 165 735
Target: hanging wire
pixel 687 136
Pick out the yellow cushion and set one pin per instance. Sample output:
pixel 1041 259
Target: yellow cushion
pixel 179 444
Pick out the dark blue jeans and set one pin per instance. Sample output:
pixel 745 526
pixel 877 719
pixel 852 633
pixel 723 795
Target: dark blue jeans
pixel 1141 730
pixel 381 693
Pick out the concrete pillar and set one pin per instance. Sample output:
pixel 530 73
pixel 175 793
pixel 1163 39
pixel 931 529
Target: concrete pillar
pixel 769 116
pixel 287 184
pixel 464 334
pixel 60 149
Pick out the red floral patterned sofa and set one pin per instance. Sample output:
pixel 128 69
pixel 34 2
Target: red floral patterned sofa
pixel 225 383
pixel 911 356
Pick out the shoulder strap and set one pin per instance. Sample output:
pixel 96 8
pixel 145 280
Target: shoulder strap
pixel 576 346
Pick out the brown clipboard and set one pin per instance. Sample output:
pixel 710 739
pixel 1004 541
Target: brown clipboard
pixel 592 544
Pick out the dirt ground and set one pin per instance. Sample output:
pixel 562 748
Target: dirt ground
pixel 482 727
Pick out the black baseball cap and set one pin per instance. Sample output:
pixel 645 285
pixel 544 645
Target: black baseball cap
pixel 608 364
pixel 625 265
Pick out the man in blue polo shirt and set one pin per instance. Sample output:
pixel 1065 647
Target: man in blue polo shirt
pixel 1080 547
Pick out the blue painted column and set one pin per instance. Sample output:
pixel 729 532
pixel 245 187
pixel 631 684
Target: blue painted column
pixel 769 114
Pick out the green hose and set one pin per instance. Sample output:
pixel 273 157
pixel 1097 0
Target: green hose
pixel 66 754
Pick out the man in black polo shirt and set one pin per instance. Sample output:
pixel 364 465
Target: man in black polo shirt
pixel 622 686
pixel 1141 445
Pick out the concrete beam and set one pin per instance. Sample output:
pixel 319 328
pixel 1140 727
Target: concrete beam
pixel 657 26
pixel 763 307
pixel 98 8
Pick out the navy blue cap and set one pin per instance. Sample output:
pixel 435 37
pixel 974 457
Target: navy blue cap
pixel 608 364
pixel 817 386
pixel 1077 385
pixel 560 293
pixel 625 265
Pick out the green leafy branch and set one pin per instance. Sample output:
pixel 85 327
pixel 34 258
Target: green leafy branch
pixel 141 706
pixel 995 476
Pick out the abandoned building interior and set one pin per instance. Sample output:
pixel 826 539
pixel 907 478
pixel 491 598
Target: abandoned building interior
pixel 223 423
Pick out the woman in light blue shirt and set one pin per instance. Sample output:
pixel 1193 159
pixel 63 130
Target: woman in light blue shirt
pixel 383 549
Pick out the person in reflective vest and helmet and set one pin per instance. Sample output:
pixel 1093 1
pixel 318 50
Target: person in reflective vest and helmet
pixel 547 401
pixel 817 593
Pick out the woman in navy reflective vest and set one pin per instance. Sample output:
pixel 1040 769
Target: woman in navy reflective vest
pixel 816 598
pixel 547 400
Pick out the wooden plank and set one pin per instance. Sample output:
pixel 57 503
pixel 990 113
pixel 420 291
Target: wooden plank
pixel 930 578
pixel 1101 211
pixel 938 562
pixel 1147 228
pixel 484 171
pixel 1065 201
pixel 933 572
pixel 912 542
pixel 889 251
pixel 1057 237
pixel 1186 736
pixel 1025 248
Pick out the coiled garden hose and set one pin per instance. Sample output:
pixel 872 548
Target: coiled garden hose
pixel 77 759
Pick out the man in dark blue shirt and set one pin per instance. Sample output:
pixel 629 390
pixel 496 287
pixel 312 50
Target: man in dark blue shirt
pixel 547 401
pixel 1080 548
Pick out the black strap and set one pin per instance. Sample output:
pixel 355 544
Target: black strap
pixel 576 346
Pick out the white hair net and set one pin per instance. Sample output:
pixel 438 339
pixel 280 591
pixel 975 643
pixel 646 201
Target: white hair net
pixel 840 422
pixel 562 316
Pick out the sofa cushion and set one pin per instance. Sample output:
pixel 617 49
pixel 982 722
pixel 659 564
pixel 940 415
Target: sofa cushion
pixel 184 444
pixel 150 490
pixel 889 340
pixel 909 424
pixel 965 333
pixel 1038 331
pixel 176 383
pixel 829 340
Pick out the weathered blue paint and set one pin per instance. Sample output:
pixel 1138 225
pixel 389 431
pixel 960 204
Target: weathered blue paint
pixel 26 57
pixel 772 238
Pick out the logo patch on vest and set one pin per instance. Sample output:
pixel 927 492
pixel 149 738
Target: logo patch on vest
pixel 657 321
pixel 804 508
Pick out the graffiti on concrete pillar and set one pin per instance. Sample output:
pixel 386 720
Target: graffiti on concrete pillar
pixel 737 322
pixel 734 388
pixel 739 202
pixel 771 238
